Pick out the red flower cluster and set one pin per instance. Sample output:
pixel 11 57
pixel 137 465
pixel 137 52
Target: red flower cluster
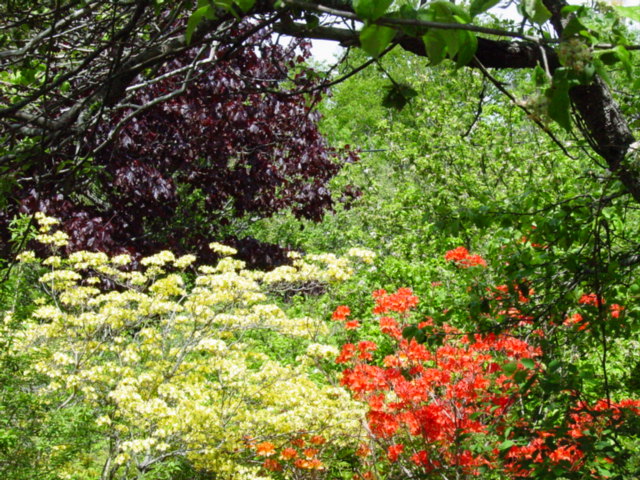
pixel 399 302
pixel 292 457
pixel 501 294
pixel 464 259
pixel 434 399
pixel 591 299
pixel 453 406
pixel 341 313
pixel 562 448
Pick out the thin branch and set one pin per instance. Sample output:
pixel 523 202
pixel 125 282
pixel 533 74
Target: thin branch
pixel 399 22
pixel 478 111
pixel 500 87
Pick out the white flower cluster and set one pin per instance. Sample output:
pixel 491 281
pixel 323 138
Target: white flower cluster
pixel 44 222
pixel 575 53
pixel 222 249
pixel 322 352
pixel 167 363
pixel 367 256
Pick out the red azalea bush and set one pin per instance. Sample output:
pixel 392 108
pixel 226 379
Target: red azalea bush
pixel 442 408
pixel 464 259
pixel 452 404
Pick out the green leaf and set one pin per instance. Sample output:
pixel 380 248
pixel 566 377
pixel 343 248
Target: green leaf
pixel 398 95
pixel 598 66
pixel 435 46
pixel 540 76
pixel 559 102
pixel 554 365
pixel 451 39
pixel 528 383
pixel 410 332
pixel 410 13
pixel 479 6
pixel 312 21
pixel 603 471
pixel 446 11
pixel 625 58
pixel 245 5
pixel 528 363
pixel 195 19
pixel 536 11
pixel 510 368
pixel 467 49
pixel 371 9
pixel 506 444
pixel 573 27
pixel 520 376
pixel 375 38
pixel 567 9
pixel 609 57
pixel 629 12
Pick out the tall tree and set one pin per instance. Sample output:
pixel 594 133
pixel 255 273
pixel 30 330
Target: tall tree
pixel 69 68
pixel 205 139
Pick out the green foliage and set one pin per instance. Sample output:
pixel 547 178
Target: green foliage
pixel 375 38
pixel 549 225
pixel 447 161
pixel 371 9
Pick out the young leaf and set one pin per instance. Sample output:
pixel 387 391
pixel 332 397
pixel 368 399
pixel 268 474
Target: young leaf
pixel 195 19
pixel 371 9
pixel 480 6
pixel 375 38
pixel 536 11
pixel 245 5
pixel 629 12
pixel 435 46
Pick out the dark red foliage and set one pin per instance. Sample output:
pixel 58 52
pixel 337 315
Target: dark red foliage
pixel 234 144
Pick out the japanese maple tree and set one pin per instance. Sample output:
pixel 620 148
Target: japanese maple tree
pixel 236 141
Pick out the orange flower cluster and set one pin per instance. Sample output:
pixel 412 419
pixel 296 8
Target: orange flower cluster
pixel 296 456
pixel 430 407
pixel 562 448
pixel 443 397
pixel 464 259
pixel 399 302
pixel 265 449
pixel 341 313
pixel 592 300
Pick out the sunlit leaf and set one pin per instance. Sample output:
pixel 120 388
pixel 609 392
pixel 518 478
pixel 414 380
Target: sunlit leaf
pixel 375 38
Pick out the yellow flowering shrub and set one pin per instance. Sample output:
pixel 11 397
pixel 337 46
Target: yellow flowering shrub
pixel 164 362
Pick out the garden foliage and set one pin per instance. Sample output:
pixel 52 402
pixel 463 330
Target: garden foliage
pixel 158 365
pixel 499 180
